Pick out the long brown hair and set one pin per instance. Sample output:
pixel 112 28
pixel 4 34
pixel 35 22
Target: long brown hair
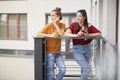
pixel 84 14
pixel 58 12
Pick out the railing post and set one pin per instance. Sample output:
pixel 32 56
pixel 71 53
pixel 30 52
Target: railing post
pixel 67 43
pixel 39 58
pixel 117 63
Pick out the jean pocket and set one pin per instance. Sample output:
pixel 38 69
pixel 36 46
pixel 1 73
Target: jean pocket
pixel 51 56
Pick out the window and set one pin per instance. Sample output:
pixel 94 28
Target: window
pixel 13 26
pixel 16 53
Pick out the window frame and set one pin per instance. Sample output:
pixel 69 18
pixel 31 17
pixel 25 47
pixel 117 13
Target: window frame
pixel 18 25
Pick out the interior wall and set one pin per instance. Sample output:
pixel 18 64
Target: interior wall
pixel 119 42
pixel 106 20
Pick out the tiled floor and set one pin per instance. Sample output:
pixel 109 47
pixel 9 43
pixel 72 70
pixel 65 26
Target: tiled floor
pixel 75 78
pixel 71 78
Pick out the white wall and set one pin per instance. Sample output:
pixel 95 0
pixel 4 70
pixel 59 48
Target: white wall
pixel 111 24
pixel 105 18
pixel 12 68
pixel 36 10
pixel 97 14
pixel 119 43
pixel 109 32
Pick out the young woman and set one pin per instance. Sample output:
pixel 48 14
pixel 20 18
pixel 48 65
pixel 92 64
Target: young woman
pixel 54 30
pixel 81 47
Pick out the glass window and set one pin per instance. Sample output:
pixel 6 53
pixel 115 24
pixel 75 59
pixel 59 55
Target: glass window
pixel 23 28
pixel 3 24
pixel 17 53
pixel 13 26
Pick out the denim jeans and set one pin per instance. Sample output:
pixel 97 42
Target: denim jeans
pixel 58 60
pixel 82 55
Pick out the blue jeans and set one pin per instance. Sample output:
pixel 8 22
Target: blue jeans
pixel 82 55
pixel 58 60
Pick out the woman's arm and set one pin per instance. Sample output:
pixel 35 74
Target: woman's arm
pixel 68 33
pixel 95 32
pixel 42 34
pixel 92 34
pixel 58 30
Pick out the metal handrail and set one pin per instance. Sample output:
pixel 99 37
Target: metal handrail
pixel 102 43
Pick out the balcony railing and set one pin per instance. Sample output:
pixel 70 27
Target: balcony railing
pixel 103 62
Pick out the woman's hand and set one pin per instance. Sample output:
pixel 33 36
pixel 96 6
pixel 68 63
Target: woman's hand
pixel 55 35
pixel 41 35
pixel 86 34
pixel 83 32
pixel 80 33
pixel 56 21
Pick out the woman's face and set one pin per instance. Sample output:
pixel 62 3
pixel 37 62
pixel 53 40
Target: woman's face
pixel 79 17
pixel 53 16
